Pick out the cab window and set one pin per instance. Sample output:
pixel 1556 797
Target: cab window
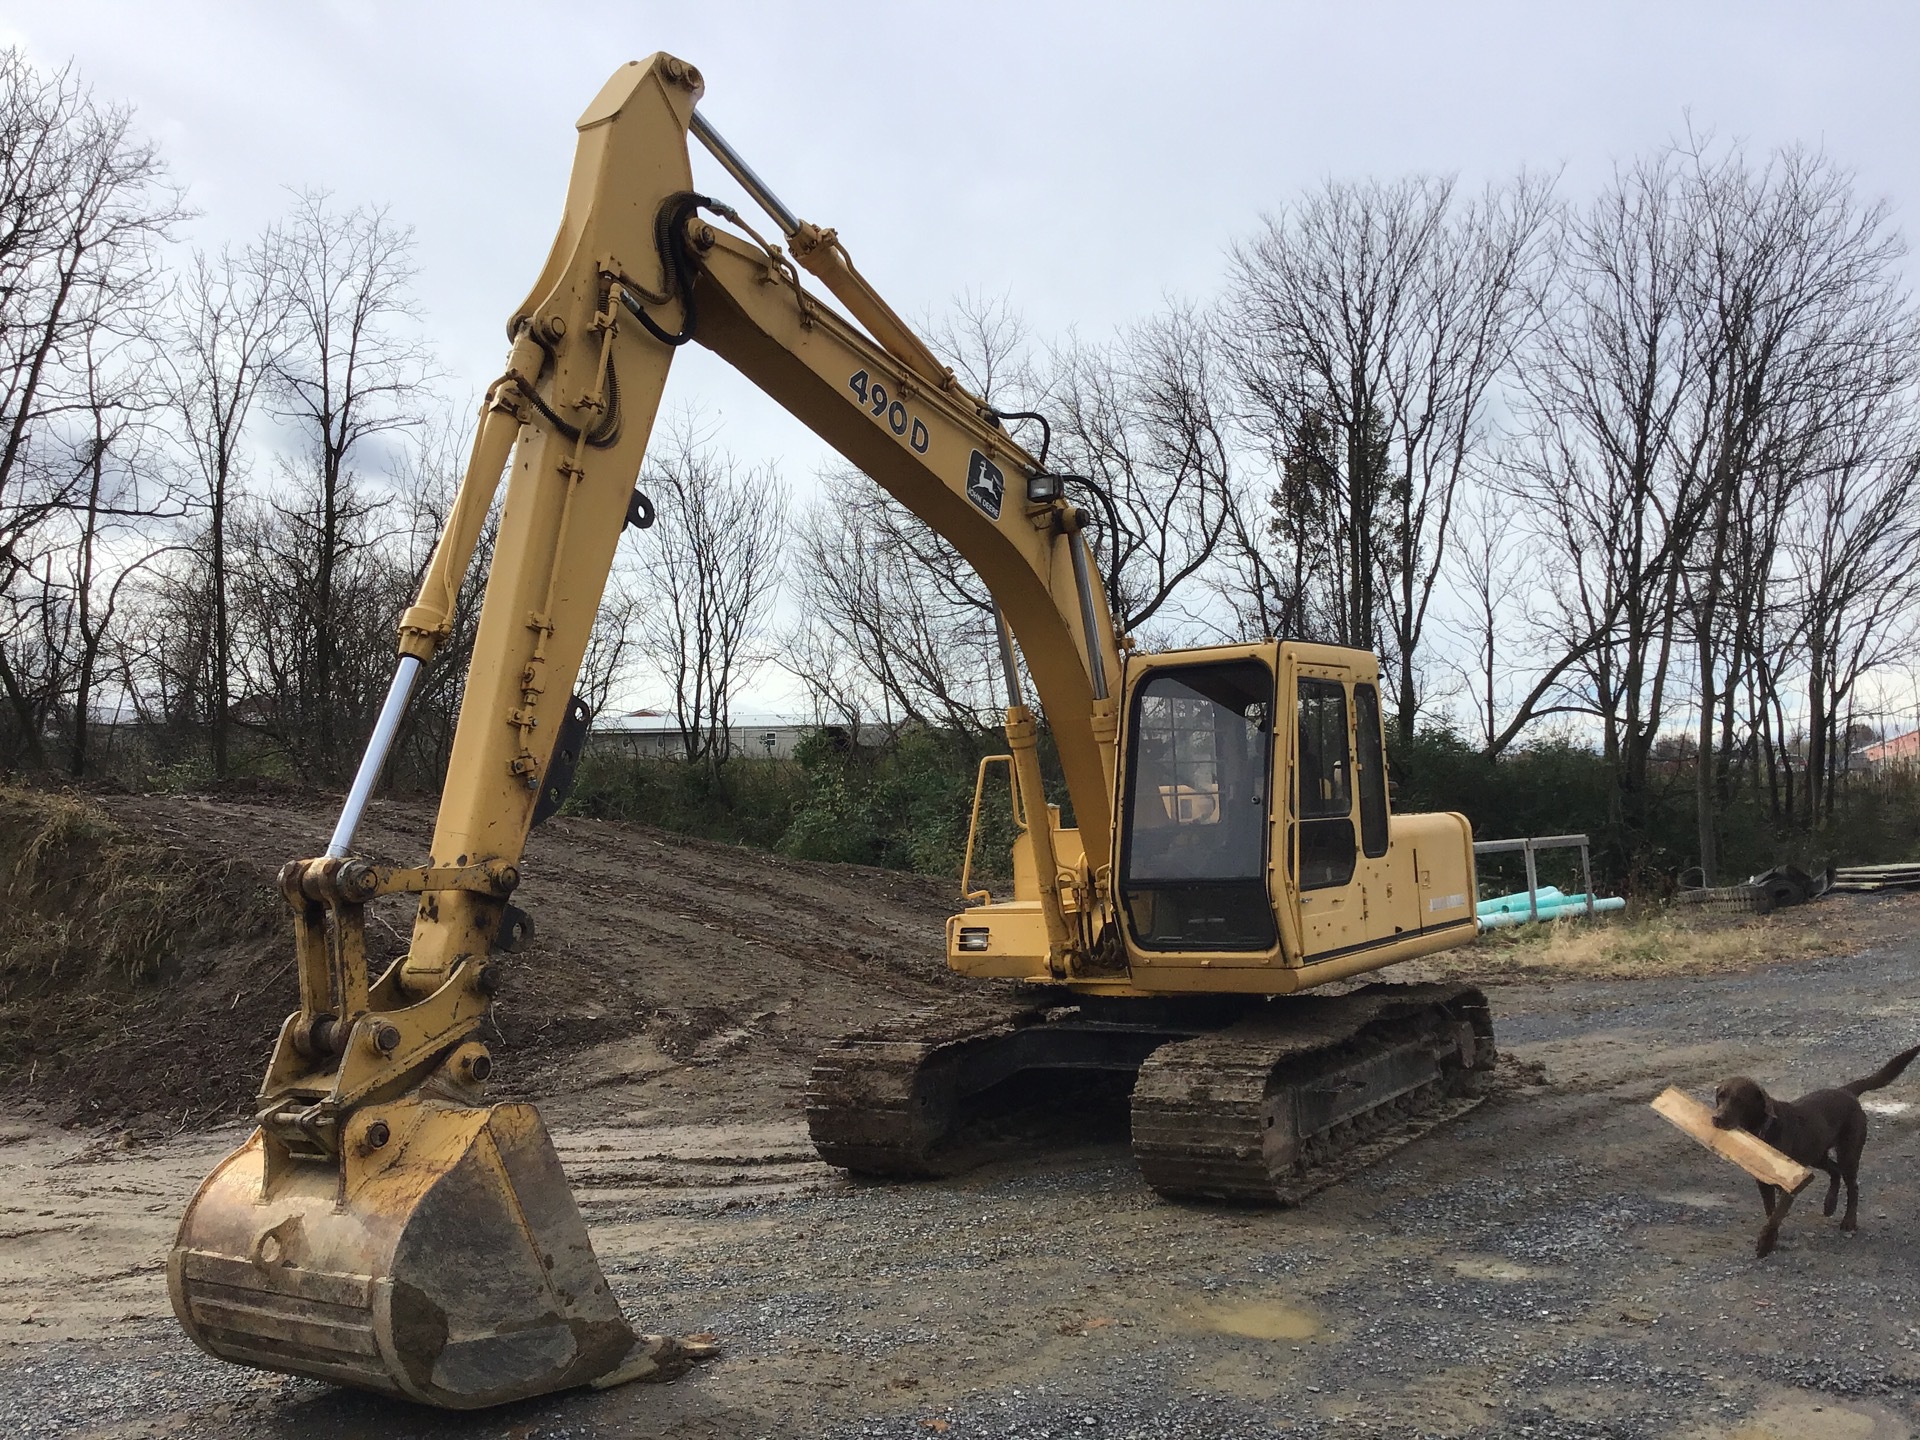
pixel 1193 855
pixel 1370 770
pixel 1324 773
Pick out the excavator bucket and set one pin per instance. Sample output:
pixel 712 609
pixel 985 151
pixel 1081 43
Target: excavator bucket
pixel 440 1258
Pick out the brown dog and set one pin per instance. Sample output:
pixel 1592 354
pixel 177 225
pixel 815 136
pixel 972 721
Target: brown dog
pixel 1823 1131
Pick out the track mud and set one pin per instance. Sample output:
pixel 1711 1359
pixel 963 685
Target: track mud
pixel 1559 1262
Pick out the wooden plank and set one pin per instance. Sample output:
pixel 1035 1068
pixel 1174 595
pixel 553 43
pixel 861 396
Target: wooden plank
pixel 1749 1152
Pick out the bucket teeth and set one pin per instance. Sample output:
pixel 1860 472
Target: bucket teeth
pixel 448 1265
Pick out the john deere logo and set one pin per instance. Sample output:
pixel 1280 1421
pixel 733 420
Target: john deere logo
pixel 986 486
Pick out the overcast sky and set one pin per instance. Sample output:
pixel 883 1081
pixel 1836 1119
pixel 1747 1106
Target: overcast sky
pixel 1084 160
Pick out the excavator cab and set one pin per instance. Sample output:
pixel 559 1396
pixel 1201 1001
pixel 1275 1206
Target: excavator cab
pixel 1255 840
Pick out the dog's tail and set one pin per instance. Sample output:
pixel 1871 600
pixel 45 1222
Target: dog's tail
pixel 1885 1075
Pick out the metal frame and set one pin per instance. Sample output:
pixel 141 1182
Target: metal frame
pixel 1527 848
pixel 982 896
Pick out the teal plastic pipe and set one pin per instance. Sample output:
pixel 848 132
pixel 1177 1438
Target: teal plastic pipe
pixel 1568 908
pixel 1507 904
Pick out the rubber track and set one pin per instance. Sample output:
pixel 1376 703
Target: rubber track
pixel 1199 1106
pixel 874 1100
pixel 879 1104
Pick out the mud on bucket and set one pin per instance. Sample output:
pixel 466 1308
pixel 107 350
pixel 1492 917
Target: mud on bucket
pixel 448 1264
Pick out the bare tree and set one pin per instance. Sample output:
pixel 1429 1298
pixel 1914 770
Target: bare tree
pixel 228 321
pixel 1723 334
pixel 888 627
pixel 84 204
pixel 1491 579
pixel 1142 419
pixel 276 554
pixel 613 650
pixel 111 521
pixel 1609 482
pixel 1852 552
pixel 351 372
pixel 1367 326
pixel 710 571
pixel 990 347
pixel 1802 318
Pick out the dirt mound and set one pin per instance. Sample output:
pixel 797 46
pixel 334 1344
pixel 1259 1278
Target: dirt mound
pixel 87 899
pixel 146 958
pixel 106 930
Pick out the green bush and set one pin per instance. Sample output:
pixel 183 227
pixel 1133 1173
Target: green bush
pixel 1644 843
pixel 904 805
pixel 749 802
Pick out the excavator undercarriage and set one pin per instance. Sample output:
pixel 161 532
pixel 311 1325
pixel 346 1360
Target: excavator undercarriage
pixel 1233 1098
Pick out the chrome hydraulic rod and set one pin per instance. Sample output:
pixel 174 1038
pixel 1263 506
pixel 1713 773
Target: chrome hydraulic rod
pixel 735 165
pixel 1083 582
pixel 375 758
pixel 1009 667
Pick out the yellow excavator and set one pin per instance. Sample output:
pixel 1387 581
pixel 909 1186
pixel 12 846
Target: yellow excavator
pixel 1232 841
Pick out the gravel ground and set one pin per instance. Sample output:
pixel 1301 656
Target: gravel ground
pixel 1558 1263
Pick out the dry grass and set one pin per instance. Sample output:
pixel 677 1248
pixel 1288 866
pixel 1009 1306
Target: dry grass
pixel 1657 943
pixel 82 899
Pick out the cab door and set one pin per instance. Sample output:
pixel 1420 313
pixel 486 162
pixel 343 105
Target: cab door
pixel 1348 882
pixel 1388 902
pixel 1196 812
pixel 1324 841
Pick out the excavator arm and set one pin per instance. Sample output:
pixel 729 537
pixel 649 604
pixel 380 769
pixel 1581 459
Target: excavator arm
pixel 383 1227
pixel 636 262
